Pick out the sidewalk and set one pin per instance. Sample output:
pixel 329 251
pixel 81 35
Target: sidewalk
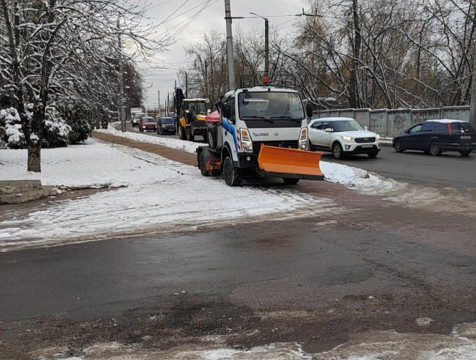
pixel 166 152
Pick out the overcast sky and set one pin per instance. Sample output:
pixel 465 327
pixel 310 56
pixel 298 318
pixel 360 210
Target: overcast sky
pixel 162 72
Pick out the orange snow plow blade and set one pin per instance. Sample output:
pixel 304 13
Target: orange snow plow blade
pixel 291 163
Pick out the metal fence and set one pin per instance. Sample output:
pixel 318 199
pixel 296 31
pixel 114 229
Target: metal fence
pixel 389 122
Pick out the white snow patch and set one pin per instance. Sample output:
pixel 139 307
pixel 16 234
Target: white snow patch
pixel 159 194
pixel 374 345
pixel 171 142
pixel 357 179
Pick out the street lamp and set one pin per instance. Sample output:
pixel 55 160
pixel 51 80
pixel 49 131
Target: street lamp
pixel 266 44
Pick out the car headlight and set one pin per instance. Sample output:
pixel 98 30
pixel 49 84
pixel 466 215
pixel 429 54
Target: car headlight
pixel 302 143
pixel 377 138
pixel 347 138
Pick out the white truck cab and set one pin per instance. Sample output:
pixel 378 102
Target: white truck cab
pixel 262 129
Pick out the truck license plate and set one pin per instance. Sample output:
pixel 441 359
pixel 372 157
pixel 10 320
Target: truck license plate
pixel 367 146
pixel 465 137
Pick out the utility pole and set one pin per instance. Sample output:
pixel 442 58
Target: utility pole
pixel 168 104
pixel 229 47
pixel 472 112
pixel 158 94
pixel 266 43
pixel 186 85
pixel 206 79
pixel 121 114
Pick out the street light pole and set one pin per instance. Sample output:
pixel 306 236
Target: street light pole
pixel 229 47
pixel 472 112
pixel 266 43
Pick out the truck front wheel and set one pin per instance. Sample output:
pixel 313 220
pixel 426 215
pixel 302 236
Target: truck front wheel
pixel 230 173
pixel 181 132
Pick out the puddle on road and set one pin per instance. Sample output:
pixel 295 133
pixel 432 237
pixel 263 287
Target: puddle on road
pixel 388 345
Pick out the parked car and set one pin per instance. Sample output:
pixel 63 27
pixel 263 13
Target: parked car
pixel 147 123
pixel 136 118
pixel 342 136
pixel 165 125
pixel 436 136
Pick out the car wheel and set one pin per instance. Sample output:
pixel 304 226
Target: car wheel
pixel 398 146
pixel 372 155
pixel 435 149
pixel 230 173
pixel 465 152
pixel 337 151
pixel 290 181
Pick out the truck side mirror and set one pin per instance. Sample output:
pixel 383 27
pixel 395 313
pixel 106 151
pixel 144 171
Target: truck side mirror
pixel 309 110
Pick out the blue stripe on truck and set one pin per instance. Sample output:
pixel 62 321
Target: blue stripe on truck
pixel 230 129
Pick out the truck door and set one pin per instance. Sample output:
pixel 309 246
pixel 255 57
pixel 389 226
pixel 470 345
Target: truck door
pixel 229 129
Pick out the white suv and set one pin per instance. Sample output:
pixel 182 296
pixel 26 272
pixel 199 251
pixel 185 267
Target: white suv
pixel 342 136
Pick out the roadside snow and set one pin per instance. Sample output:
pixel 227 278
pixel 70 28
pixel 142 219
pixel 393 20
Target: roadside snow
pixel 357 179
pixel 171 142
pixel 387 344
pixel 160 195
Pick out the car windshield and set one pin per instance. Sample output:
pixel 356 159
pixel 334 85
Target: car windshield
pixel 346 125
pixel 167 120
pixel 462 127
pixel 270 105
pixel 148 119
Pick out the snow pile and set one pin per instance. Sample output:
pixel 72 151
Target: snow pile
pixel 389 345
pixel 357 179
pixel 360 180
pixel 161 195
pixel 171 142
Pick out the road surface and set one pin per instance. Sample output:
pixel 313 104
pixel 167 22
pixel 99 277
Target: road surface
pixel 450 169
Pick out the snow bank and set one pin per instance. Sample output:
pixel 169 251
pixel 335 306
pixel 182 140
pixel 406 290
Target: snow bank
pixel 357 179
pixel 171 142
pixel 389 345
pixel 158 196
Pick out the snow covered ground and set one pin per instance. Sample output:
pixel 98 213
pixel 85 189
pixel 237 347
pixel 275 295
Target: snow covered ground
pixel 153 194
pixel 388 345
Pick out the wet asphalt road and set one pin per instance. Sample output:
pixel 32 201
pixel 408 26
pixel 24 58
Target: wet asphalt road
pixel 449 169
pixel 300 264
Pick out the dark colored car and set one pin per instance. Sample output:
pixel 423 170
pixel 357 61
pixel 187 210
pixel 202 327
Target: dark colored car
pixel 147 123
pixel 166 125
pixel 436 136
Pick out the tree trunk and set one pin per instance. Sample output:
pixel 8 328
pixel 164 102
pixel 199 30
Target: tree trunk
pixel 34 157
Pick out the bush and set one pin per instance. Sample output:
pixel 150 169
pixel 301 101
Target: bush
pixel 68 125
pixel 56 130
pixel 76 118
pixel 12 134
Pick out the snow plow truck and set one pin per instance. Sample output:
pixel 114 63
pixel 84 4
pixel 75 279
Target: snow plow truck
pixel 261 130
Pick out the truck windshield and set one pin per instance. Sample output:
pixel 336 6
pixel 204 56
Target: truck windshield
pixel 270 105
pixel 197 107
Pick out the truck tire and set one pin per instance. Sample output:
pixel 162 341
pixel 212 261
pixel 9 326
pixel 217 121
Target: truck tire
pixel 202 160
pixel 230 173
pixel 212 137
pixel 290 181
pixel 465 153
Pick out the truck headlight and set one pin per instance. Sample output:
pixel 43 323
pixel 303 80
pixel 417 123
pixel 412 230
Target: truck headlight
pixel 302 143
pixel 377 138
pixel 246 143
pixel 347 138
